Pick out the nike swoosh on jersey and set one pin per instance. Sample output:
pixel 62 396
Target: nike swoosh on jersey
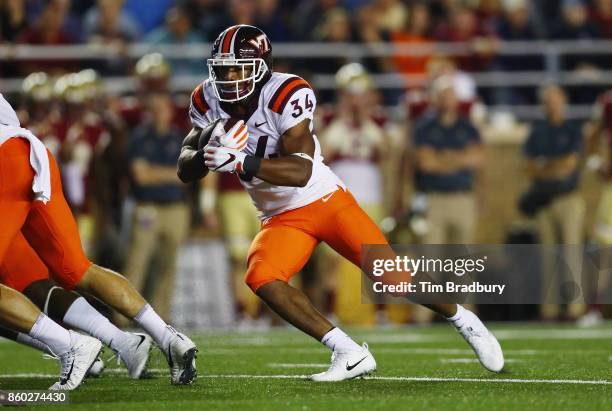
pixel 327 197
pixel 231 158
pixel 260 124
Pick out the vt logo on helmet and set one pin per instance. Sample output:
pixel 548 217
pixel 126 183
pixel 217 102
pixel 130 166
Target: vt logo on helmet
pixel 241 58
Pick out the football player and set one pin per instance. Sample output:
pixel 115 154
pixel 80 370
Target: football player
pixel 31 194
pixel 301 201
pixel 24 271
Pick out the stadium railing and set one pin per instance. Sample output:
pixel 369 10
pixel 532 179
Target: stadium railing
pixel 551 52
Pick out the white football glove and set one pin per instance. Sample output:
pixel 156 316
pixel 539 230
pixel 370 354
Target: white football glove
pixel 223 159
pixel 236 138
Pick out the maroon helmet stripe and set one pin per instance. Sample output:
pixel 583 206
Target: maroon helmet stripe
pixel 197 100
pixel 227 40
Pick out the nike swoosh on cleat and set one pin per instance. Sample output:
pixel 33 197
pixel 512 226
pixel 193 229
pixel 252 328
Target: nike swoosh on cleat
pixel 170 361
pixel 69 374
pixel 231 158
pixel 350 367
pixel 142 339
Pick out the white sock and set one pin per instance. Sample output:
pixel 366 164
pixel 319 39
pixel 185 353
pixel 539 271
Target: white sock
pixel 337 340
pixel 458 318
pixel 152 323
pixel 25 339
pixel 51 333
pixel 83 316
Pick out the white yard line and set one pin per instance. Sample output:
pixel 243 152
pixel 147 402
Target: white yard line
pixel 426 379
pixel 289 365
pixel 382 378
pixel 473 360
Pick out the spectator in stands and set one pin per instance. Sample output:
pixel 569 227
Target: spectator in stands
pixel 462 26
pixel 242 12
pixel 449 154
pixel 575 24
pixel 48 29
pixel 271 20
pixel 386 15
pixel 13 19
pixel 553 150
pixel 309 15
pixel 161 217
pixel 107 23
pixel 488 12
pixel 335 27
pixel 416 33
pixel 516 25
pixel 601 16
pixel 178 31
pixel 209 16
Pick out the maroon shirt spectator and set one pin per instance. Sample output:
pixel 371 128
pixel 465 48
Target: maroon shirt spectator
pixel 601 15
pixel 462 26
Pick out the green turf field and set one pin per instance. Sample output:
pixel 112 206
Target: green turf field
pixel 548 367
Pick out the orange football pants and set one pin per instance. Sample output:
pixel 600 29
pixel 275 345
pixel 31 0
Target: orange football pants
pixel 286 241
pixel 21 265
pixel 50 229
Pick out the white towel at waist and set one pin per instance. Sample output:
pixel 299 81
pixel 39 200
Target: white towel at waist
pixel 39 160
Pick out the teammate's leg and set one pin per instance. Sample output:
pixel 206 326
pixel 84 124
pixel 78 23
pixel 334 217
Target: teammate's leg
pixel 76 353
pixel 51 230
pixel 24 339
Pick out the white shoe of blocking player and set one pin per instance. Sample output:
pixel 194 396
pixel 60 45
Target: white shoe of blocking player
pixel 136 356
pixel 97 368
pixel 76 362
pixel 481 340
pixel 181 354
pixel 347 365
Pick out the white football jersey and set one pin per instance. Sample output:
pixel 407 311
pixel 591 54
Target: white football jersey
pixel 285 101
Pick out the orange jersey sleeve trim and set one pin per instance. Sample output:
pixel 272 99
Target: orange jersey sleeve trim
pixel 197 99
pixel 282 95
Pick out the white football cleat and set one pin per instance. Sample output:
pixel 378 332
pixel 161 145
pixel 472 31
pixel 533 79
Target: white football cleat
pixel 347 365
pixel 481 340
pixel 76 362
pixel 181 354
pixel 97 368
pixel 136 356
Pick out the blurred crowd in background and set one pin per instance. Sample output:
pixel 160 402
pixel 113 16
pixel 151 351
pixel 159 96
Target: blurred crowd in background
pixel 414 158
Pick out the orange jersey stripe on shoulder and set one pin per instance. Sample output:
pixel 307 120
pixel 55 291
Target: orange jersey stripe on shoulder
pixel 197 99
pixel 283 93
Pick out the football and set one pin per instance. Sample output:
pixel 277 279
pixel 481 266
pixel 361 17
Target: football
pixel 231 133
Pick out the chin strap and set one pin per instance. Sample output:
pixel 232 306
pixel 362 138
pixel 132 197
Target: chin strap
pixel 304 156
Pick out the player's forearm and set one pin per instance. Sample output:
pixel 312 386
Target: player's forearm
pixel 291 171
pixel 191 166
